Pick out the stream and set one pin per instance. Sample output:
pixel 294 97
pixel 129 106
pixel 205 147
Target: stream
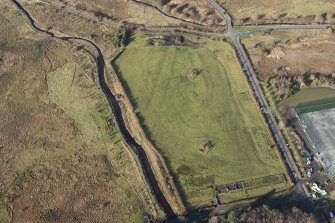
pixel 99 59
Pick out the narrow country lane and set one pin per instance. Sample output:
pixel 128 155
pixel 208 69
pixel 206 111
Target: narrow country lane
pixel 209 35
pixel 301 191
pixel 281 27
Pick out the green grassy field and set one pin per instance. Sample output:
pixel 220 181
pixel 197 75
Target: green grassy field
pixel 307 95
pixel 180 113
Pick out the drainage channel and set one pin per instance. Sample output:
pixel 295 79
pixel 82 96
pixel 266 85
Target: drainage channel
pixel 115 107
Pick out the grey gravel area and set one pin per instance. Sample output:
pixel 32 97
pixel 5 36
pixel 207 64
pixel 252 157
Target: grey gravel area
pixel 320 128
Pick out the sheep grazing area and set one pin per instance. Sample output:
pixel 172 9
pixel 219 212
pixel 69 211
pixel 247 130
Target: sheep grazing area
pixel 181 114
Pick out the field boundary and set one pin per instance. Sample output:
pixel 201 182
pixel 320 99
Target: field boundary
pixel 315 106
pixel 244 186
pixel 248 184
pixel 306 132
pixel 158 165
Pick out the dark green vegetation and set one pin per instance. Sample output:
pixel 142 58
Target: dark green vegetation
pixel 182 114
pixel 315 106
pixel 310 96
pixel 250 189
pixel 266 214
pixel 122 37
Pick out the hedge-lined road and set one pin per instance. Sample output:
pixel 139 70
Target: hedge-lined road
pixel 301 191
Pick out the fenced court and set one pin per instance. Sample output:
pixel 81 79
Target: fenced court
pixel 318 123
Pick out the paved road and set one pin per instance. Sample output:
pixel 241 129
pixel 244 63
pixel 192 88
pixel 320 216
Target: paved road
pixel 184 31
pixel 116 24
pixel 253 81
pixel 281 27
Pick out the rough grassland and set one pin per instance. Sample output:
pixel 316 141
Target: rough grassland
pixel 298 51
pixel 90 110
pixel 59 162
pixel 124 11
pixel 278 8
pixel 181 113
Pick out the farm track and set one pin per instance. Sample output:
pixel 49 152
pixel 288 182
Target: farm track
pixel 99 59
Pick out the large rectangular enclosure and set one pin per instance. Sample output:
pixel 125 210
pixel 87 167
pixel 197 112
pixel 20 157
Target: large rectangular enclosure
pixel 319 127
pixel 195 105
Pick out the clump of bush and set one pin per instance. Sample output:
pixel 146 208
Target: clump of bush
pixel 266 214
pixel 180 39
pixel 285 86
pixel 122 37
pixel 206 147
pixel 51 215
pixel 194 73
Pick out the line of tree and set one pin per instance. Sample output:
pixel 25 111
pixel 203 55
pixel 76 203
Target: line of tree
pixel 286 86
pixel 265 214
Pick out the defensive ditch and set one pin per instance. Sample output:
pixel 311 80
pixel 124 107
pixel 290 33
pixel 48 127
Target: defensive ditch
pixel 115 107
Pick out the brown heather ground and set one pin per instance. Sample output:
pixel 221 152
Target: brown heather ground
pixel 292 52
pixel 280 11
pixel 196 15
pixel 55 165
pixel 54 20
pixel 198 11
pixel 124 11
